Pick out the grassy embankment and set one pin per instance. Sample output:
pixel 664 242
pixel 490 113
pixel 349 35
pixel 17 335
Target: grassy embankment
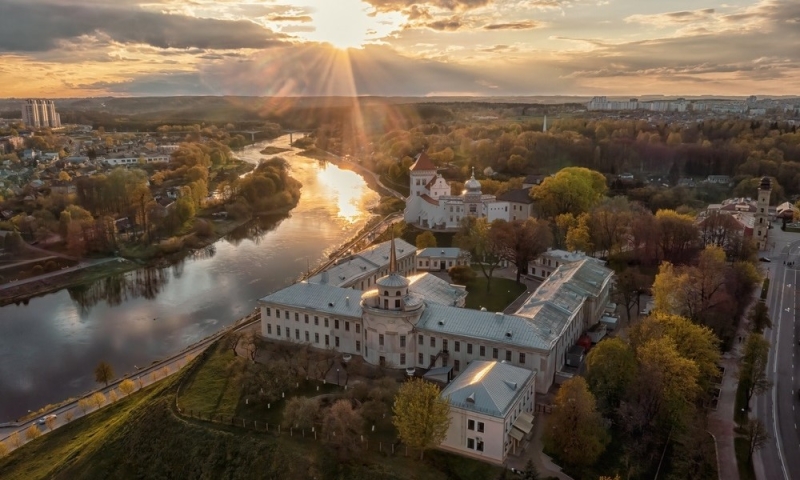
pixel 141 436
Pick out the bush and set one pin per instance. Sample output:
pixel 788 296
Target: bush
pixel 38 270
pixel 239 210
pixel 171 245
pixel 462 274
pixel 765 289
pixel 203 228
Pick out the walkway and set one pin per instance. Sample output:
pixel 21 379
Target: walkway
pixel 45 276
pixel 720 421
pixel 532 450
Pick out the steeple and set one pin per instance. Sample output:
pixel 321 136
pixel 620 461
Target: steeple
pixel 392 254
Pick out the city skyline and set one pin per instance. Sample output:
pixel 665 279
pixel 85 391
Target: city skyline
pixel 71 48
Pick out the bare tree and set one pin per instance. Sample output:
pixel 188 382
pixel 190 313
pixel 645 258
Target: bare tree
pixel 756 435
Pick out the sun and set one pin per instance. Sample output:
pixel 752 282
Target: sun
pixel 348 23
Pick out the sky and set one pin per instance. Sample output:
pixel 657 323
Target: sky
pixel 82 48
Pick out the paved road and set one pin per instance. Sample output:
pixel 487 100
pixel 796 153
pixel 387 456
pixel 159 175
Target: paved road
pixel 778 408
pixel 142 378
pixel 80 266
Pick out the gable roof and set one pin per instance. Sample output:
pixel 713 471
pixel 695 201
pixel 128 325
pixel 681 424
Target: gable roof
pixel 434 289
pixel 488 387
pixel 517 195
pixel 363 263
pixel 422 163
pixel 326 299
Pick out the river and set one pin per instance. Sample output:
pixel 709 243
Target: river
pixel 50 346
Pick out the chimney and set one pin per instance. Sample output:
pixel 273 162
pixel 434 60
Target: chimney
pixel 347 301
pixel 324 278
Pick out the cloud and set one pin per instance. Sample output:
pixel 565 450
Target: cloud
pixel 31 26
pixel 522 25
pixel 290 18
pixel 684 17
pixel 448 24
pixel 452 5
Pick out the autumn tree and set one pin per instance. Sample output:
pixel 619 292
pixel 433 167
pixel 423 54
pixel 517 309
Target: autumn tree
pixel 33 432
pixel 610 369
pixel 421 416
pixel 753 366
pixel 572 190
pixel 15 439
pixel 103 373
pixel 97 400
pixel 301 412
pixel 521 241
pixel 474 236
pixel 84 404
pixel 627 289
pixel 50 422
pixel 127 387
pixel 677 234
pixel 759 317
pixel 608 224
pixel 575 428
pixel 342 426
pixel 425 240
pixel 3 449
pixel 755 434
pixel 579 237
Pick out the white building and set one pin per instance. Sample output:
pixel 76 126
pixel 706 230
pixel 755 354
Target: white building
pixel 545 264
pixel 40 113
pixel 431 204
pixel 406 324
pixel 520 203
pixel 437 259
pixel 491 407
pixel 361 270
pixel 129 160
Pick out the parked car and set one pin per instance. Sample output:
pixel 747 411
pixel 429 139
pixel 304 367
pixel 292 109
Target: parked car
pixel 764 259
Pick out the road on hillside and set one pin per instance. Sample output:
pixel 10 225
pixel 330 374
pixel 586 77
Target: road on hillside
pixel 779 408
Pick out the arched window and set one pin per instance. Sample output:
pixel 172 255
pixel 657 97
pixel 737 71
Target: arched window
pixel 397 293
pixel 385 293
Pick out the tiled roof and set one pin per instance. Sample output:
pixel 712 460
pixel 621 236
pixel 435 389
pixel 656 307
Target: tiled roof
pixel 320 298
pixel 422 163
pixel 480 325
pixel 430 200
pixel 488 387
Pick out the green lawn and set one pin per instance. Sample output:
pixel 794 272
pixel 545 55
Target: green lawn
pixel 503 292
pixel 746 471
pixel 208 389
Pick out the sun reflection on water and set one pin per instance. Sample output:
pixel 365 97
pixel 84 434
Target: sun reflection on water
pixel 346 190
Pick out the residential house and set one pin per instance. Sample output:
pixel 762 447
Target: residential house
pixel 441 258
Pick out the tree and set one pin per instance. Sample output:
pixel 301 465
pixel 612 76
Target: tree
pixel 64 176
pixel 474 236
pixel 753 366
pixel 530 472
pixel 755 434
pixel 608 223
pixel 462 274
pixel 628 288
pixel 343 425
pixel 759 317
pixel 84 404
pixel 575 429
pixel 610 369
pixel 3 449
pixel 301 412
pixel 127 387
pixel 103 373
pixel 69 415
pixel 97 399
pixel 15 439
pixel 50 422
pixel 572 190
pixel 425 240
pixel 33 432
pixel 421 416
pixel 579 237
pixel 519 242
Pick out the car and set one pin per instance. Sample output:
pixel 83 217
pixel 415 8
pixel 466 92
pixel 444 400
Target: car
pixel 764 259
pixel 44 419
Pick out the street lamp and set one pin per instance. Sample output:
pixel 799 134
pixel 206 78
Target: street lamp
pixel 337 376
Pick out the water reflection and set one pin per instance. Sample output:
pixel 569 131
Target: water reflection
pixel 346 191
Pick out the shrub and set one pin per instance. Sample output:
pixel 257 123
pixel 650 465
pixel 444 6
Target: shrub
pixel 33 432
pixel 38 270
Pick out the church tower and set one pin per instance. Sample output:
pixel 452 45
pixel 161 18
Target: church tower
pixel 473 196
pixel 762 213
pixel 421 173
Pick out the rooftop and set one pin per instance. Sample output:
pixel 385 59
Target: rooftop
pixel 423 162
pixel 518 195
pixel 434 289
pixel 488 387
pixel 319 298
pixel 446 252
pixel 362 263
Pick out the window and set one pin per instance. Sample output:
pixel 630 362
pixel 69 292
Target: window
pixel 269 329
pixel 471 443
pixel 397 303
pixel 336 323
pixel 521 358
pixel 444 361
pixel 288 332
pixel 469 348
pixel 346 326
pixel 508 355
pixel 470 424
pixel 316 320
pixel 316 338
pixel 420 339
pixel 306 318
pixel 297 334
pixel 326 322
pixel 479 446
pixel 286 314
pixel 456 365
pixel 358 328
pixel 433 341
pixel 327 341
pixel 402 341
pixel 336 341
pixel 307 340
pixel 380 339
pixel 444 344
pixel 419 359
pixel 483 351
pixel 495 353
pixel 480 427
pixel 402 359
pixel 457 346
pixel 268 312
pixel 358 345
pixel 277 313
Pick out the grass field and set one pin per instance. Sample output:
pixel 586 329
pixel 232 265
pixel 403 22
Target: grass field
pixel 746 471
pixel 211 389
pixel 503 292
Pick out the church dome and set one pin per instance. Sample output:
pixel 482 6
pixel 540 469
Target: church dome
pixel 472 185
pixel 393 280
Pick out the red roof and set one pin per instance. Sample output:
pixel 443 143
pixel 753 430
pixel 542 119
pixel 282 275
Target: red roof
pixel 430 200
pixel 423 163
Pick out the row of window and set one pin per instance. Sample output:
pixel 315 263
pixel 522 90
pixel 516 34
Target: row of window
pixel 336 323
pixel 475 444
pixel 457 348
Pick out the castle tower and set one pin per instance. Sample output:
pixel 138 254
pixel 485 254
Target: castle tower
pixel 473 196
pixel 762 213
pixel 421 173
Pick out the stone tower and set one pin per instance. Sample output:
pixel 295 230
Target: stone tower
pixel 762 213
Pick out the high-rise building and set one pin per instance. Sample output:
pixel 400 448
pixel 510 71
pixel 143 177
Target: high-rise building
pixel 40 113
pixel 762 213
